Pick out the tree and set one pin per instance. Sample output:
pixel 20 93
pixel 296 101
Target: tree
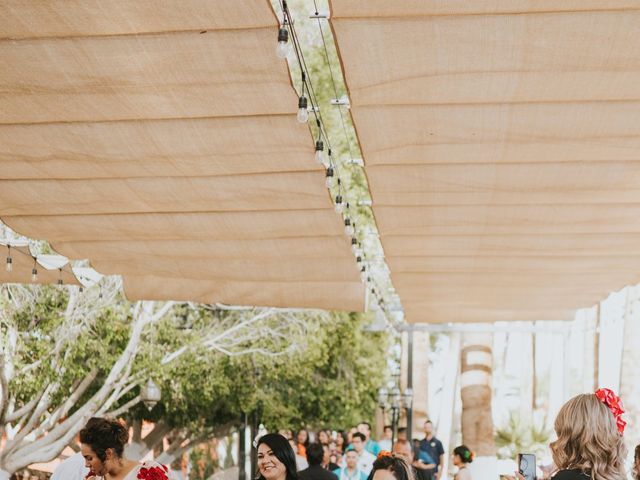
pixel 64 359
pixel 67 356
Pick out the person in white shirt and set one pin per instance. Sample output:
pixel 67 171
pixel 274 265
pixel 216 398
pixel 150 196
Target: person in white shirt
pixel 72 468
pixel 385 442
pixel 351 470
pixel 365 459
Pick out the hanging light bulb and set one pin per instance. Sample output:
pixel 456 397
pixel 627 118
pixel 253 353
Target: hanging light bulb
pixel 354 245
pixel 358 259
pixel 329 177
pixel 282 49
pixel 348 228
pixel 339 204
pixel 319 150
pixel 303 113
pixel 9 259
pixel 363 273
pixel 60 282
pixel 34 271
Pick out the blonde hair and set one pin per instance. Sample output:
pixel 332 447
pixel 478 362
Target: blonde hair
pixel 588 439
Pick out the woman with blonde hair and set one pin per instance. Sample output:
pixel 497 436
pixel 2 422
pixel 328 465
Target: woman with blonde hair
pixel 590 445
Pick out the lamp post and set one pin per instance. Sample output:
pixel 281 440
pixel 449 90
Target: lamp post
pixel 150 394
pixel 394 400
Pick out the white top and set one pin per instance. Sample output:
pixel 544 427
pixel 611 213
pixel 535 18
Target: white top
pixel 71 469
pixel 463 474
pixel 163 472
pixel 365 462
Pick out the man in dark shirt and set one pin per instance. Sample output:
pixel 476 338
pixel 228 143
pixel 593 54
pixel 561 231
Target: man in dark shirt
pixel 431 450
pixel 315 454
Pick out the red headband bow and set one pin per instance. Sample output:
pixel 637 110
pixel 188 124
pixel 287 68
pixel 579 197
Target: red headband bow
pixel 613 402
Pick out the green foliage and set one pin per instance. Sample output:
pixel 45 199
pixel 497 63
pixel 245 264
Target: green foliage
pixel 333 381
pixel 518 436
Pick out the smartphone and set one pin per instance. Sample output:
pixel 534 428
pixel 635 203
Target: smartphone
pixel 527 465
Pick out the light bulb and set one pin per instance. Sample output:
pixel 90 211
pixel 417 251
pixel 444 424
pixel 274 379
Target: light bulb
pixel 348 228
pixel 339 204
pixel 282 49
pixel 354 245
pixel 303 113
pixel 60 277
pixel 329 177
pixel 363 273
pixel 60 281
pixel 319 155
pixel 9 264
pixel 34 274
pixel 359 259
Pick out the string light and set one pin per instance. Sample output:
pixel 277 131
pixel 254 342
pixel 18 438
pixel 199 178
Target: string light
pixel 34 271
pixel 311 100
pixel 348 227
pixel 282 49
pixel 303 113
pixel 9 259
pixel 319 150
pixel 329 177
pixel 354 245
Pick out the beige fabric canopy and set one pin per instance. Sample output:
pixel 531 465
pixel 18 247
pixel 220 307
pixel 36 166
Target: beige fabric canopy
pixel 159 140
pixel 502 146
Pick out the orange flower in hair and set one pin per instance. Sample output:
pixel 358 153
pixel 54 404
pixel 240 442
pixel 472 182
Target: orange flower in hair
pixel 384 453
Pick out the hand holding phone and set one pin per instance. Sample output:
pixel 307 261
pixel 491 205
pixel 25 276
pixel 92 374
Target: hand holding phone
pixel 527 465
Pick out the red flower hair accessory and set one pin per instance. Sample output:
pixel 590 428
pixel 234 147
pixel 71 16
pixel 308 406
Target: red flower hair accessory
pixel 613 402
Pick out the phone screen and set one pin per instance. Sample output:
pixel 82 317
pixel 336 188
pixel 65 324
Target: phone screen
pixel 527 465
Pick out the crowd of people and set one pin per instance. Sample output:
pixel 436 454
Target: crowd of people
pixel 589 445
pixel 350 455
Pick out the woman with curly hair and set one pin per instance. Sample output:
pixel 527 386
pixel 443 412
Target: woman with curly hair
pixel 636 463
pixel 590 445
pixel 102 443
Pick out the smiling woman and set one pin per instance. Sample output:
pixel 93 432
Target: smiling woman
pixel 276 460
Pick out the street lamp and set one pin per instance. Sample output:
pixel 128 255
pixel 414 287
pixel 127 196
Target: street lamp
pixel 150 394
pixel 395 400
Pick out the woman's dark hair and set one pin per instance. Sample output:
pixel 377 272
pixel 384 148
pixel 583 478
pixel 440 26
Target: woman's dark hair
pixel 637 453
pixel 103 433
pixel 307 441
pixel 464 453
pixel 315 454
pixel 345 442
pixel 396 465
pixel 281 448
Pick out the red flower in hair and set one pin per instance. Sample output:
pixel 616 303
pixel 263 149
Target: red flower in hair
pixel 611 400
pixel 153 473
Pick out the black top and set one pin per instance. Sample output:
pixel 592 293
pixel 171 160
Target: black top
pixel 571 475
pixel 316 472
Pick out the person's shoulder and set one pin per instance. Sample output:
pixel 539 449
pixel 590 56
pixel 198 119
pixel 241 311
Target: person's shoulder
pixel 368 455
pixel 303 474
pixel 570 475
pixel 331 475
